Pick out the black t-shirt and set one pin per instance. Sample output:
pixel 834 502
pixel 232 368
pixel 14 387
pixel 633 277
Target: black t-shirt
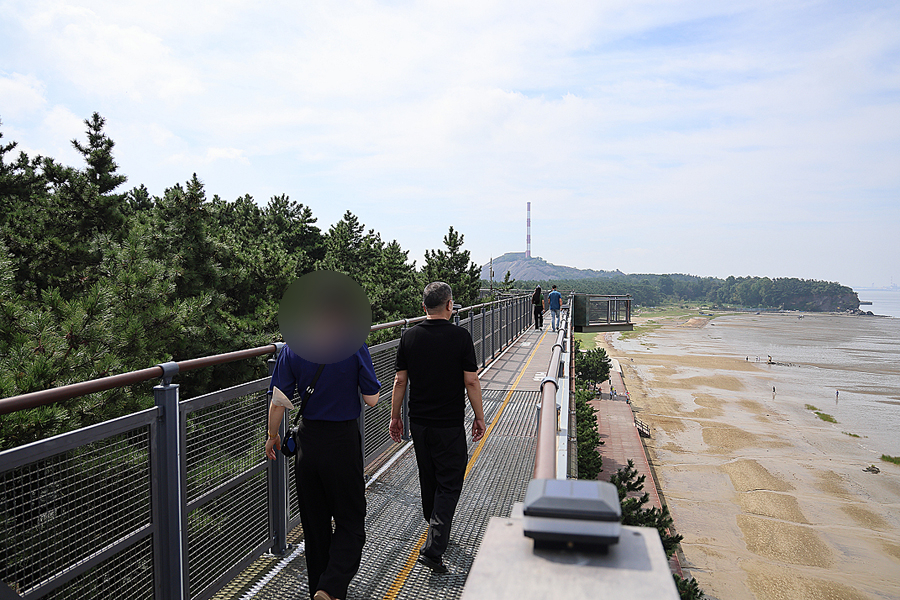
pixel 435 353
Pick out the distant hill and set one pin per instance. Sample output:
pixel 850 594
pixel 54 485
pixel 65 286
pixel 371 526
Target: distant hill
pixel 536 268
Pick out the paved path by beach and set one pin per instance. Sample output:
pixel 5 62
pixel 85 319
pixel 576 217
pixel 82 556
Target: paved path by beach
pixel 622 442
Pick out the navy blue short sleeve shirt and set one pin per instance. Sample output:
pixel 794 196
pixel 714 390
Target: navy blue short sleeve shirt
pixel 337 392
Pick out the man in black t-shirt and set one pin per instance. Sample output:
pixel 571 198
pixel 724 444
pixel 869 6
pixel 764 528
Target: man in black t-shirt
pixel 437 358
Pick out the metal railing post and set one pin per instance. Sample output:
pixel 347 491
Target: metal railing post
pixel 278 480
pixel 170 547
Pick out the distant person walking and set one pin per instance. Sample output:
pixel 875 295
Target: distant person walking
pixel 537 300
pixel 437 358
pixel 554 303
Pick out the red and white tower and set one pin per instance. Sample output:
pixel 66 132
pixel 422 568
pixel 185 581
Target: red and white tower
pixel 528 235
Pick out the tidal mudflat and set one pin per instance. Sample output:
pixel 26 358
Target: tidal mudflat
pixel 771 499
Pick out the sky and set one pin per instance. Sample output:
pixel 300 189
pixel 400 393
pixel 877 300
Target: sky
pixel 749 137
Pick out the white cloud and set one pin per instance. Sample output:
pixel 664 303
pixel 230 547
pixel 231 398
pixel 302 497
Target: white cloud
pixel 720 122
pixel 20 95
pixel 104 58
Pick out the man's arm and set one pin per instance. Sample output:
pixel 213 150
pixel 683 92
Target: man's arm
pixel 473 390
pixel 273 443
pixel 396 426
pixel 370 399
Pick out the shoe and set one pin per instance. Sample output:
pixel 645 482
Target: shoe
pixel 437 566
pixel 323 595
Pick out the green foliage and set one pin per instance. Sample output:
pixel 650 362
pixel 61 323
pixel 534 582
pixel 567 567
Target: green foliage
pixel 826 417
pixel 453 266
pixel 627 482
pixel 891 459
pixel 688 589
pixel 507 284
pixel 591 367
pixel 590 463
pixel 95 280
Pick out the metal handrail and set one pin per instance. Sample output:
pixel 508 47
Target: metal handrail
pixel 82 388
pixel 546 444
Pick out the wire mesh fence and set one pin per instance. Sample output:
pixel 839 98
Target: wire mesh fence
pixel 64 513
pixel 80 514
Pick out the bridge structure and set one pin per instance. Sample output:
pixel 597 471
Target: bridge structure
pixel 178 501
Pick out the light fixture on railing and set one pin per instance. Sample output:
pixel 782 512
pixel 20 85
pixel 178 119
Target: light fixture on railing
pixel 572 514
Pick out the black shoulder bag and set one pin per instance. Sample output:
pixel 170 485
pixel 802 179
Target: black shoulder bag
pixel 290 445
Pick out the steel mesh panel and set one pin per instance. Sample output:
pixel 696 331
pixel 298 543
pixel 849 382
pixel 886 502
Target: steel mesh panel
pixel 476 337
pixel 495 331
pixel 224 440
pixel 57 512
pixel 293 502
pixel 378 417
pixel 127 575
pixel 226 530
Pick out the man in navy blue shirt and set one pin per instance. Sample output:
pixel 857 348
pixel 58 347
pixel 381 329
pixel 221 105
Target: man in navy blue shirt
pixel 437 358
pixel 554 302
pixel 328 468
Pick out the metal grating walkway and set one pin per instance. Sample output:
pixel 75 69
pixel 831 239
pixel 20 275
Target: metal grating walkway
pixel 496 478
pixel 394 522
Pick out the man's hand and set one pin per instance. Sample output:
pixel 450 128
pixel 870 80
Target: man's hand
pixel 273 444
pixel 478 429
pixel 396 429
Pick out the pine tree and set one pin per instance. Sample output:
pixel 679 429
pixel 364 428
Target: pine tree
pixel 627 482
pixel 688 589
pixel 454 267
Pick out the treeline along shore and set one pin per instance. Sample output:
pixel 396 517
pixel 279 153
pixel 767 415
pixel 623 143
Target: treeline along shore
pixel 784 293
pixel 98 279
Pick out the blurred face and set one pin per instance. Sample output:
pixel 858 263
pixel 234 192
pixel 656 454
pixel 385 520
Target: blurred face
pixel 324 317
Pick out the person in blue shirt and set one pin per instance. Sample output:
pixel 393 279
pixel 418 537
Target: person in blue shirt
pixel 328 466
pixel 554 302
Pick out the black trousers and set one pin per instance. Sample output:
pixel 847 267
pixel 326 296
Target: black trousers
pixel 538 316
pixel 328 472
pixel 441 454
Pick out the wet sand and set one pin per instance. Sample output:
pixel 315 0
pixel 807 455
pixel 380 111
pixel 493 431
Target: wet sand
pixel 772 502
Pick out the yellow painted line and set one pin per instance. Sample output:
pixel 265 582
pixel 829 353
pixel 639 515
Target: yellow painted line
pixel 400 580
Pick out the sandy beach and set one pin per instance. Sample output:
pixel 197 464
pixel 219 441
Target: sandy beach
pixel 772 501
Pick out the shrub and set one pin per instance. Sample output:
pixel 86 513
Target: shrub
pixel 590 462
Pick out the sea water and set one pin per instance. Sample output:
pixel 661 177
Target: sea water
pixel 846 366
pixel 884 302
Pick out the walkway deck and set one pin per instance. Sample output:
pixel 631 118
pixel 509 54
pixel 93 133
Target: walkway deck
pixel 499 469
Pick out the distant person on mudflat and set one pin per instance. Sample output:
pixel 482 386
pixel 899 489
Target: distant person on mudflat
pixel 328 466
pixel 437 359
pixel 537 300
pixel 554 303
